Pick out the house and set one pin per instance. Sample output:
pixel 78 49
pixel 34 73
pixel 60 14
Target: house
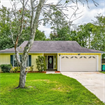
pixel 59 55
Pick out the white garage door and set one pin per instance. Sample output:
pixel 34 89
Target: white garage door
pixel 78 63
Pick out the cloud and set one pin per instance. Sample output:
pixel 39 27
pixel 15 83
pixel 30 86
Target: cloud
pixel 89 14
pixel 52 1
pixel 46 30
pixel 5 3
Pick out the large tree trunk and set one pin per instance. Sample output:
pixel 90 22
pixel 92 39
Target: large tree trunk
pixel 22 78
pixel 34 24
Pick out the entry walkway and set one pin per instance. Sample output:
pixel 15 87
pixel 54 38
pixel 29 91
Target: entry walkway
pixel 93 81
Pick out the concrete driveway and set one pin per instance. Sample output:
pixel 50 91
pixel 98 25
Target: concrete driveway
pixel 93 81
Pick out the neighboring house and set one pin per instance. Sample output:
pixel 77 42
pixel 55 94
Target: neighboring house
pixel 59 55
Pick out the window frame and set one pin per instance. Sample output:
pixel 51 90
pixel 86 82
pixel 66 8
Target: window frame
pixel 13 59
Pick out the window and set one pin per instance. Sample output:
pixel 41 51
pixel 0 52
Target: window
pixel 75 57
pixel 81 57
pixel 93 57
pixel 66 57
pixel 14 63
pixel 84 57
pixel 46 60
pixel 72 57
pixel 90 57
pixel 62 57
pixel 54 61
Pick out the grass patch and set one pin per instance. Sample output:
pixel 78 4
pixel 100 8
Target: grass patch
pixel 44 89
pixel 102 72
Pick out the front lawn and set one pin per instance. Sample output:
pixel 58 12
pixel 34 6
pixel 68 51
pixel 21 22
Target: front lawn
pixel 102 72
pixel 44 89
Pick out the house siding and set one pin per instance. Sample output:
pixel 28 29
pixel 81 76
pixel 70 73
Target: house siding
pixel 99 62
pixel 4 59
pixel 58 62
pixel 33 60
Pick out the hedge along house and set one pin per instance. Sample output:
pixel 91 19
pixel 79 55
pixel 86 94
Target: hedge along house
pixel 59 55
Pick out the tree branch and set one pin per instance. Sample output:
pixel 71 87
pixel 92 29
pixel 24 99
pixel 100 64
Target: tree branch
pixel 33 30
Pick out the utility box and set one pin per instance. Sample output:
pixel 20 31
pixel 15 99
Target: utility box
pixel 103 67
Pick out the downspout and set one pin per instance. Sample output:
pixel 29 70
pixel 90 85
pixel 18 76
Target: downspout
pixel 101 61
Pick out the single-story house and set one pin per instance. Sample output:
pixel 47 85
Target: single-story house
pixel 59 55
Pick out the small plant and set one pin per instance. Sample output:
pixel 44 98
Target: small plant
pixel 6 67
pixel 41 65
pixel 15 69
pixel 32 68
pixel 0 70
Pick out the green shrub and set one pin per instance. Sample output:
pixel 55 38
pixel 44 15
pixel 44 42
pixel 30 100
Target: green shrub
pixel 32 68
pixel 40 62
pixel 15 69
pixel 6 67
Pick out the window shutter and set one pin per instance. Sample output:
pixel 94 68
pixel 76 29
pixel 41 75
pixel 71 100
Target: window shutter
pixel 11 59
pixel 21 58
pixel 29 60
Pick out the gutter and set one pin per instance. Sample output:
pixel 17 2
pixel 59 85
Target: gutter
pixel 52 52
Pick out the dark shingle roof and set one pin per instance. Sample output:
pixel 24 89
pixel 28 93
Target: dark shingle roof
pixel 53 47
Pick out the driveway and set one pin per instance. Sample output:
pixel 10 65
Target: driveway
pixel 93 81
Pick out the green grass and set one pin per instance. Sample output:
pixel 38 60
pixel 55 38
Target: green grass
pixel 102 72
pixel 44 89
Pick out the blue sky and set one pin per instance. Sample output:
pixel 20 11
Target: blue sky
pixel 88 14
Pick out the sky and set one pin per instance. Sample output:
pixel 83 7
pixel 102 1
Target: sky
pixel 87 13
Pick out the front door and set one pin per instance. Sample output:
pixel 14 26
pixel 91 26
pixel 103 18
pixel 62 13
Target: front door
pixel 50 62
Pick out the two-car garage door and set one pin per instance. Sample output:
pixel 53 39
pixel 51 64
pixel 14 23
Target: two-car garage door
pixel 78 63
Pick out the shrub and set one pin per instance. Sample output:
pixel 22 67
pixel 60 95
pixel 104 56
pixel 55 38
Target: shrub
pixel 0 70
pixel 15 69
pixel 40 62
pixel 32 68
pixel 6 67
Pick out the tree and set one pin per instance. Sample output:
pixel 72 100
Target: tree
pixel 5 39
pixel 84 34
pixel 98 41
pixel 56 19
pixel 62 34
pixel 39 35
pixel 92 35
pixel 20 21
pixel 29 14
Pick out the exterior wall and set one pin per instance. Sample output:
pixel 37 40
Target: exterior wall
pixel 33 60
pixel 4 59
pixel 99 62
pixel 98 58
pixel 58 62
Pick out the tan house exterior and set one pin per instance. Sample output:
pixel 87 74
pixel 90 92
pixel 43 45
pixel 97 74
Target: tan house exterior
pixel 59 55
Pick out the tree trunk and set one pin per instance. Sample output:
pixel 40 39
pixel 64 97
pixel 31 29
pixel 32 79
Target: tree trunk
pixel 29 44
pixel 22 78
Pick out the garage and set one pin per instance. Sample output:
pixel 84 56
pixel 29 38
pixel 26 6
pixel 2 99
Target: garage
pixel 78 63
